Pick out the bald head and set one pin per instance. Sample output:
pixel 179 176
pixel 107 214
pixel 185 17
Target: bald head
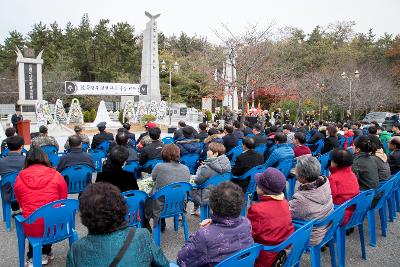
pixel 75 141
pixel 394 143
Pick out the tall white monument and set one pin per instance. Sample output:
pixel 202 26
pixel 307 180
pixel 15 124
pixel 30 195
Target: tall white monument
pixel 150 65
pixel 29 79
pixel 229 76
pixel 102 115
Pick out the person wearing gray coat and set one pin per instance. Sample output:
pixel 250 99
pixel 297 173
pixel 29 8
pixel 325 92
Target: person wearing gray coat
pixel 313 200
pixel 171 171
pixel 216 163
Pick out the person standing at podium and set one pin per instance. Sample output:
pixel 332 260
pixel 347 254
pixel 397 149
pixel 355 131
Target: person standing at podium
pixel 16 117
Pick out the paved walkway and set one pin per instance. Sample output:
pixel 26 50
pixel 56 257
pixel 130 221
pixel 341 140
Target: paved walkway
pixel 385 254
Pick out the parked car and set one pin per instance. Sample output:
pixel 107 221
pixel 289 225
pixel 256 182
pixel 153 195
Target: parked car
pixel 379 117
pixel 389 121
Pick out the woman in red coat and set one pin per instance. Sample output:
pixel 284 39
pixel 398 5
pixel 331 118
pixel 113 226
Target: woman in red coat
pixel 270 218
pixel 35 186
pixel 343 181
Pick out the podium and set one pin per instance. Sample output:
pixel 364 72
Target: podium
pixel 24 130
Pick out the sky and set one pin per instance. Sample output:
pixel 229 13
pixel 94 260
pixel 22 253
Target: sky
pixel 203 17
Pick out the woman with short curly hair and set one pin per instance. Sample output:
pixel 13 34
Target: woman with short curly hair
pixel 217 163
pixel 103 209
pixel 221 236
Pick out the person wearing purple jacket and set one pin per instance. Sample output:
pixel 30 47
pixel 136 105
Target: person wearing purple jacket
pixel 221 236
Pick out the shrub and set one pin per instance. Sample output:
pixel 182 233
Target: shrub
pixel 93 114
pixel 86 116
pixel 209 115
pixel 120 116
pixel 148 117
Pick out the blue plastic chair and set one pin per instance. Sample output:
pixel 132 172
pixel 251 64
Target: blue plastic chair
pixel 209 183
pixel 285 167
pixel 168 140
pixel 324 160
pixel 318 147
pixel 152 163
pixel 78 177
pixel 298 242
pixel 251 188
pixel 24 152
pixel 104 146
pixel 308 136
pixel 54 159
pixel 135 200
pixel 49 149
pixel 385 190
pixel 261 149
pixel 394 199
pixel 98 156
pixel 132 167
pixel 362 203
pixel 334 219
pixel 243 258
pixel 59 224
pixel 234 153
pixel 5 152
pixel 175 196
pixel 240 142
pixel 85 147
pixel 8 178
pixel 191 161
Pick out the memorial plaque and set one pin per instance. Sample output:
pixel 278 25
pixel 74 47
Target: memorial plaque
pixel 30 81
pixel 182 111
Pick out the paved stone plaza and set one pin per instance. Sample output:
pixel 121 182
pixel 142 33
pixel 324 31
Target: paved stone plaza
pixel 385 254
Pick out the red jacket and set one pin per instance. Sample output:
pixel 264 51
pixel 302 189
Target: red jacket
pixel 344 186
pixel 347 134
pixel 301 150
pixel 34 187
pixel 271 224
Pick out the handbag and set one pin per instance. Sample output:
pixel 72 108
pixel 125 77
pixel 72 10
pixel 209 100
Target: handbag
pixel 6 191
pixel 280 259
pixel 124 248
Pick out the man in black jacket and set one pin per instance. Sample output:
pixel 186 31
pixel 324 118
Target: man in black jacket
pixel 260 138
pixel 152 150
pixel 102 135
pixel 127 127
pixel 16 117
pixel 230 140
pixel 247 160
pixel 114 174
pixel 14 162
pixel 9 132
pixel 203 134
pixel 394 157
pixel 122 139
pixel 76 155
pixel 236 130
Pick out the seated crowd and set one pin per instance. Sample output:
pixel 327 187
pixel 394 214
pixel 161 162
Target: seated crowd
pixel 360 162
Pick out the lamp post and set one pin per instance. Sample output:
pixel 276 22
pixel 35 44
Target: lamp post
pixel 350 78
pixel 174 67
